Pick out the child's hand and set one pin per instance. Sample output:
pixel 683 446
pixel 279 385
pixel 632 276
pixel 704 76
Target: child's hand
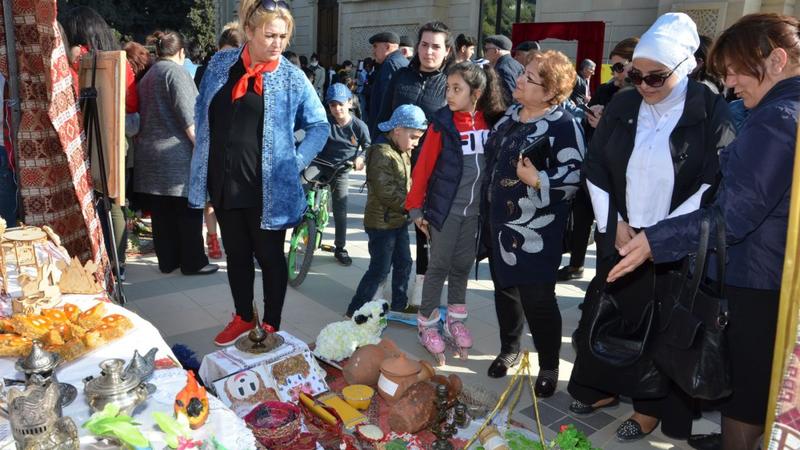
pixel 422 224
pixel 359 165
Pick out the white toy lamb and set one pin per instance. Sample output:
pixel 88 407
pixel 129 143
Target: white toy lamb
pixel 339 340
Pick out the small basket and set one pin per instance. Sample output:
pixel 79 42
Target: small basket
pixel 274 424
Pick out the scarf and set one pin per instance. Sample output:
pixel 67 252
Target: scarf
pixel 255 72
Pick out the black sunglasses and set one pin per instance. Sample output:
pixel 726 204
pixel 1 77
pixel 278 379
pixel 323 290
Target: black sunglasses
pixel 270 5
pixel 618 67
pixel 653 80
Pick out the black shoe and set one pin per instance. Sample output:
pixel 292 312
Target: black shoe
pixel 205 270
pixel 567 273
pixel 711 441
pixel 341 255
pixel 630 430
pixel 502 363
pixel 545 387
pixel 578 407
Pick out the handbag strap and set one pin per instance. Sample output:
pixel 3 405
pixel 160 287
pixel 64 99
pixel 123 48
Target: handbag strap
pixel 700 259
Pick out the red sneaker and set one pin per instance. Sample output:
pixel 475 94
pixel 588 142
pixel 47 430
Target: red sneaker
pixel 233 331
pixel 268 328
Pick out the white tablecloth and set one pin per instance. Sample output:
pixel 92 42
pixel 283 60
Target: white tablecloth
pixel 222 423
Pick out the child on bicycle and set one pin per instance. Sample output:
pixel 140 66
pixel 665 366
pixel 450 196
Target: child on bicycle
pixel 453 156
pixel 348 138
pixel 385 217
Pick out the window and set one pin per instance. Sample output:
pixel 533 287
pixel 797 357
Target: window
pixel 510 12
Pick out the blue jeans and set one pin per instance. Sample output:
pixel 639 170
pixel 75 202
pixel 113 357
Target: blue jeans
pixel 8 190
pixel 388 249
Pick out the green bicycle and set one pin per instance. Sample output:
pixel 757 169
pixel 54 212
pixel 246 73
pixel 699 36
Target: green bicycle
pixel 307 236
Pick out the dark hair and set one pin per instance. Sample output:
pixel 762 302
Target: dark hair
pixel 167 43
pixel 193 51
pixel 84 26
pixel 435 27
pixel 347 62
pixel 369 62
pixel 139 59
pixel 485 79
pixel 748 42
pixel 315 56
pixel 309 73
pixel 232 37
pixel 624 48
pixel 701 73
pixel 303 60
pixel 464 40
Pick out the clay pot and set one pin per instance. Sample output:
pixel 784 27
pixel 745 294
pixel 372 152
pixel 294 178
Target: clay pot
pixel 364 366
pixel 399 373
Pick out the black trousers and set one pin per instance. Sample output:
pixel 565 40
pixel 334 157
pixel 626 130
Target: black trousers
pixel 582 221
pixel 537 303
pixel 177 233
pixel 243 239
pixel 422 251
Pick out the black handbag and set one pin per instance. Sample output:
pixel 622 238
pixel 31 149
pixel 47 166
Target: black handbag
pixel 690 345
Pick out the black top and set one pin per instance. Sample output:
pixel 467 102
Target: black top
pixel 234 159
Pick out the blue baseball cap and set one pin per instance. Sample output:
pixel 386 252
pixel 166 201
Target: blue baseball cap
pixel 338 92
pixel 405 116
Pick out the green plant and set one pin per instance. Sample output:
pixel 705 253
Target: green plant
pixel 110 423
pixel 568 438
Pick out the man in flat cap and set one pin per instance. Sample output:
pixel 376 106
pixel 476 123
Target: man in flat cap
pixel 388 59
pixel 407 47
pixel 524 49
pixel 497 49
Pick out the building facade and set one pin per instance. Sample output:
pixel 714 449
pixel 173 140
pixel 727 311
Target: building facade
pixel 340 29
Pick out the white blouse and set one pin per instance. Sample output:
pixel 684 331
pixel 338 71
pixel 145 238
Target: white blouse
pixel 650 175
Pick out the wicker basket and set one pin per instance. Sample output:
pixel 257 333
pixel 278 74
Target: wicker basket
pixel 274 424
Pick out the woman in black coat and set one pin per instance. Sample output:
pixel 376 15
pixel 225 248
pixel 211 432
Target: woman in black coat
pixel 754 199
pixel 653 156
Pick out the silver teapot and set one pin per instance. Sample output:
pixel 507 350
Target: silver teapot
pixel 115 385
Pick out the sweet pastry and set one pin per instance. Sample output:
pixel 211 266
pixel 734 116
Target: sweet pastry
pixel 14 345
pixel 6 325
pixel 71 349
pixel 72 312
pixel 33 326
pixel 57 316
pixel 106 332
pixel 92 316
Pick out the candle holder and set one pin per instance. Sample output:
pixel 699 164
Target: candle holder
pixel 258 341
pixel 442 428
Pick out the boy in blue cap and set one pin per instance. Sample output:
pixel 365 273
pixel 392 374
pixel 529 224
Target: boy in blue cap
pixel 385 218
pixel 349 137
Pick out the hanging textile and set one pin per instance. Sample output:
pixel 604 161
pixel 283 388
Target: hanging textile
pixel 52 168
pixel 590 37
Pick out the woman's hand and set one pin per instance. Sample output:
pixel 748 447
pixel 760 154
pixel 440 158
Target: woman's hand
pixel 624 234
pixel 594 117
pixel 422 224
pixel 527 172
pixel 634 253
pixel 359 164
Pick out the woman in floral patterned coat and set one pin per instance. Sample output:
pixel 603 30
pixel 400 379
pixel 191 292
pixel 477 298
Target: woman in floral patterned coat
pixel 526 207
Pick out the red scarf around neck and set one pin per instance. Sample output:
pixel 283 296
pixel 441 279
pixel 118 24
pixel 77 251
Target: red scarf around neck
pixel 240 88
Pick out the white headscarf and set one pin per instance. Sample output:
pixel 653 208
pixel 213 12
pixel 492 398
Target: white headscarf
pixel 671 40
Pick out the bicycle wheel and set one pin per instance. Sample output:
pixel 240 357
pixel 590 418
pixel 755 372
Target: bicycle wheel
pixel 301 251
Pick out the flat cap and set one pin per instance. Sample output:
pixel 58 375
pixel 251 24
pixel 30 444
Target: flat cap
pixel 500 41
pixel 386 36
pixel 528 46
pixel 406 41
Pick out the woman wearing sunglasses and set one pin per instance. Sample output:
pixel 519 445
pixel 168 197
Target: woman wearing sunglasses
pixel 758 58
pixel 653 156
pixel 582 214
pixel 246 160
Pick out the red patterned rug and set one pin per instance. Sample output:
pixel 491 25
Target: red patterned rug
pixel 52 168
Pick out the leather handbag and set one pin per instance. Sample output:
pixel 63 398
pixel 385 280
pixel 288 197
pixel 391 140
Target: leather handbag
pixel 690 346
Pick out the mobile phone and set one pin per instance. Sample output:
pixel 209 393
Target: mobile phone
pixel 586 108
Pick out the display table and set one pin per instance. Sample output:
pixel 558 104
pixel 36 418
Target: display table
pixel 222 423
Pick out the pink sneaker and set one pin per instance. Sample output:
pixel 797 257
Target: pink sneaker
pixel 429 335
pixel 455 329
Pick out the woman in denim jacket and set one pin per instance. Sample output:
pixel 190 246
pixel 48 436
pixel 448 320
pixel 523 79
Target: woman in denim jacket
pixel 246 159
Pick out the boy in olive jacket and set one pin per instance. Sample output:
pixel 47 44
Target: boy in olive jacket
pixel 385 217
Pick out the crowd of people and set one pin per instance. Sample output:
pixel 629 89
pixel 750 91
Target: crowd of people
pixel 515 153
